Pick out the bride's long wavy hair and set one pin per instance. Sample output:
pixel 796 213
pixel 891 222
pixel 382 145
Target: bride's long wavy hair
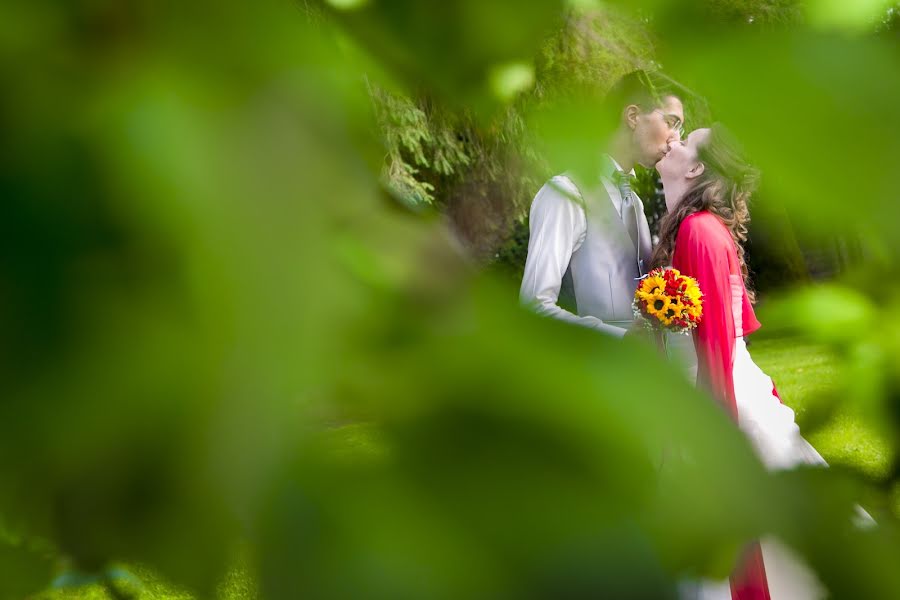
pixel 723 189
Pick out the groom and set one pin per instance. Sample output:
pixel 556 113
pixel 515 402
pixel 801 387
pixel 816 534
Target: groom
pixel 595 231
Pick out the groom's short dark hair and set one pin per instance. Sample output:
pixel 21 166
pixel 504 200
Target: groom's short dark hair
pixel 646 89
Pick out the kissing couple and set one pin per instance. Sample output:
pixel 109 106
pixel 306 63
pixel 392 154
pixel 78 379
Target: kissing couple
pixel 592 232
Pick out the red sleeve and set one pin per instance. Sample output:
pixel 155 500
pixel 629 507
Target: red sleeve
pixel 702 251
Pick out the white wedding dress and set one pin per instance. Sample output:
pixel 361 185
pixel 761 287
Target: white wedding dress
pixel 775 436
pixel 771 429
pixel 705 250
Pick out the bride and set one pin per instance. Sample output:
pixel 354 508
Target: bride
pixel 707 186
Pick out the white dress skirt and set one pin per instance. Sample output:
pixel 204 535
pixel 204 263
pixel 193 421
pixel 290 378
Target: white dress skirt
pixel 771 429
pixel 767 423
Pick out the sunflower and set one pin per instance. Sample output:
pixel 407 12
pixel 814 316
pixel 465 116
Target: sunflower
pixel 657 305
pixel 692 292
pixel 694 311
pixel 670 313
pixel 652 283
pixel 676 308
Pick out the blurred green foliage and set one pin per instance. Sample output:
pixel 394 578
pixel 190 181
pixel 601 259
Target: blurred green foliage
pixel 481 165
pixel 204 275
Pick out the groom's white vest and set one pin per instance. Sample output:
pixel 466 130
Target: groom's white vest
pixel 578 228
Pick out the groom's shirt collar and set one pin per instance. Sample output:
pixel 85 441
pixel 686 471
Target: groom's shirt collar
pixel 608 166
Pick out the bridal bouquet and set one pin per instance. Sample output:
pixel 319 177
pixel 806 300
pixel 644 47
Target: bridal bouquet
pixel 667 300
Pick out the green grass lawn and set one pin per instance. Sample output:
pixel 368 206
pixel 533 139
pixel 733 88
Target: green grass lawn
pixel 806 375
pixel 807 378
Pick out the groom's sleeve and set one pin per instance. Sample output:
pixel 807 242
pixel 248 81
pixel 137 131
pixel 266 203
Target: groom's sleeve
pixel 702 252
pixel 557 228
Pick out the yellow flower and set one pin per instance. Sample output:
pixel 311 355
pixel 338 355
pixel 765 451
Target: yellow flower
pixel 691 285
pixel 652 284
pixel 692 293
pixel 678 308
pixel 672 312
pixel 657 305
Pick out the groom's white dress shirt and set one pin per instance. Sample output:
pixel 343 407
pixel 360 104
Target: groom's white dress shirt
pixel 579 228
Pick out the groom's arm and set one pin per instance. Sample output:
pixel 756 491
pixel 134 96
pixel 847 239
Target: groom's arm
pixel 557 228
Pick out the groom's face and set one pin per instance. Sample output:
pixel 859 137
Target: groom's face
pixel 656 129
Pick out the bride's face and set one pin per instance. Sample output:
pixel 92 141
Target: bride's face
pixel 682 161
